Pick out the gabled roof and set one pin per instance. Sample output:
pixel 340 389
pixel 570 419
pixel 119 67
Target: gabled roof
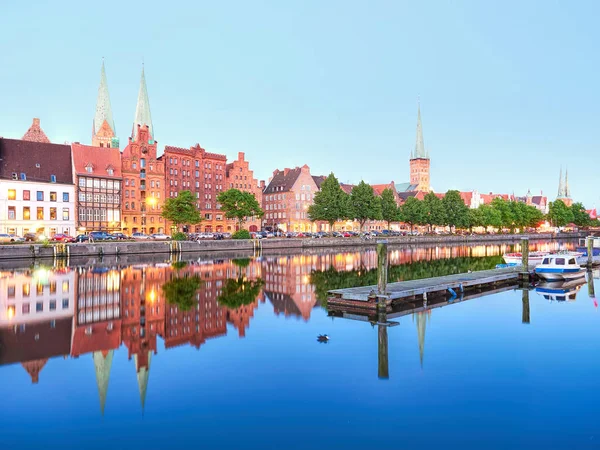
pixel 539 200
pixel 406 187
pixel 37 160
pixel 283 180
pixel 420 195
pixel 318 179
pixel 100 158
pixel 347 188
pixel 379 188
pixel 35 133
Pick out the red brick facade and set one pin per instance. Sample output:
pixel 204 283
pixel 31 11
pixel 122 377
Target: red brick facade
pixel 419 174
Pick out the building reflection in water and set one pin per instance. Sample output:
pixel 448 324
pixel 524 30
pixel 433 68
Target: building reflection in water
pixel 76 311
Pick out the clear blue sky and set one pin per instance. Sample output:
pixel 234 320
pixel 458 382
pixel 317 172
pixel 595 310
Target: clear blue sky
pixel 509 90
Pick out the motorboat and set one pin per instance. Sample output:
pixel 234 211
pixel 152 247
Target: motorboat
pixel 560 291
pixel 517 258
pixel 559 267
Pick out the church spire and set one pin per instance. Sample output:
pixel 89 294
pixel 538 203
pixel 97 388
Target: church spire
pixel 561 186
pixel 142 110
pixel 142 377
pixel 421 326
pixel 103 108
pixel 419 145
pixel 567 189
pixel 102 364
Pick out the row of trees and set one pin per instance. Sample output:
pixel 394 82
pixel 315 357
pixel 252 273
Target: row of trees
pixel 331 204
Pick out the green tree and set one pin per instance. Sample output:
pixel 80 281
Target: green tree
pixel 476 218
pixel 181 291
pixel 413 212
pixel 239 205
pixel 507 218
pixel 559 214
pixel 533 217
pixel 456 212
pixel 389 208
pixel 580 217
pixel 239 292
pixel 491 216
pixel 181 210
pixel 434 210
pixel 363 204
pixel 330 204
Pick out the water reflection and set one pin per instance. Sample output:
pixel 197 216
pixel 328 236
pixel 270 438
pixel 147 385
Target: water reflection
pixel 48 312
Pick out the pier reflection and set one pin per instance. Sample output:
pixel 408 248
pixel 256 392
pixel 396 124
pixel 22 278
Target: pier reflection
pixel 104 304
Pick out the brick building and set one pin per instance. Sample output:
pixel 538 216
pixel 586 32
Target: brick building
pixel 286 200
pixel 239 176
pixel 143 173
pixel 98 184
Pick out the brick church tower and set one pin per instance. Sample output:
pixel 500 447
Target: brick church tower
pixel 419 161
pixel 103 127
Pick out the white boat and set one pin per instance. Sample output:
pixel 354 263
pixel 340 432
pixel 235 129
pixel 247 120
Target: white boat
pixel 516 258
pixel 560 290
pixel 559 267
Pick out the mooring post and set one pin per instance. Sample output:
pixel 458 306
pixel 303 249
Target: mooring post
pixel 590 251
pixel 382 347
pixel 590 283
pixel 526 309
pixel 382 267
pixel 525 254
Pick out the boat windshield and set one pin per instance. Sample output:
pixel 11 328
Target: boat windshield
pixel 559 261
pixel 546 261
pixel 572 261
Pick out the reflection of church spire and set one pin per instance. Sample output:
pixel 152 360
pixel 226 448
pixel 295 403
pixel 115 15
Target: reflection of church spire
pixel 34 368
pixel 142 377
pixel 102 364
pixel 421 326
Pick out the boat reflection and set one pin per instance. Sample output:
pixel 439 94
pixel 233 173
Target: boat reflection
pixel 560 291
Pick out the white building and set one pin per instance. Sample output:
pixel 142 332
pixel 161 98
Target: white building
pixel 37 193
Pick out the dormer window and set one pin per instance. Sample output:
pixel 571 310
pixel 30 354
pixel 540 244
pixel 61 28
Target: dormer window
pixel 89 169
pixel 111 172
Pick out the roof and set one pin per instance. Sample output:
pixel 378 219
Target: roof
pixel 142 110
pixel 539 199
pixel 193 152
pixel 42 160
pixel 419 144
pixel 38 340
pixel 103 108
pixel 347 188
pixel 406 187
pixel 283 180
pixel 379 188
pixel 101 338
pixel 420 195
pixel 35 133
pixel 467 197
pixel 318 179
pixel 101 159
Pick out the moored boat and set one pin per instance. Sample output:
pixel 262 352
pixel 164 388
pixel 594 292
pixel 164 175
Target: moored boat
pixel 559 267
pixel 582 246
pixel 517 258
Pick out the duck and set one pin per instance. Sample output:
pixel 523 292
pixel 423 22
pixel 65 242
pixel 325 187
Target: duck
pixel 322 338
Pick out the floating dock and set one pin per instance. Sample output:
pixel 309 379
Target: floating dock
pixel 450 285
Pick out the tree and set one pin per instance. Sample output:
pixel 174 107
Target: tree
pixel 559 213
pixel 533 217
pixel 239 292
pixel 455 211
pixel 389 209
pixel 181 210
pixel 330 203
pixel 181 291
pixel 491 216
pixel 434 210
pixel 413 212
pixel 476 218
pixel 580 217
pixel 363 204
pixel 239 205
pixel 507 217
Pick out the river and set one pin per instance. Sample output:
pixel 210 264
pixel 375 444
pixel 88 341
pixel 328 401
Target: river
pixel 222 352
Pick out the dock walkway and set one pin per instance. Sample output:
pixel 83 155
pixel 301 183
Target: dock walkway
pixel 418 288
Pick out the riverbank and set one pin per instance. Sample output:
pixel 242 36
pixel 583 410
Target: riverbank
pixel 35 251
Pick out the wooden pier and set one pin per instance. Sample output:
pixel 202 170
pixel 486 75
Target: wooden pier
pixel 451 285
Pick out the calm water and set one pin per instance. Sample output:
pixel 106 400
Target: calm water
pixel 222 353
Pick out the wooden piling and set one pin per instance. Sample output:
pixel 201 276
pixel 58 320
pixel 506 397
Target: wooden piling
pixel 526 310
pixel 590 251
pixel 525 254
pixel 382 266
pixel 382 347
pixel 590 283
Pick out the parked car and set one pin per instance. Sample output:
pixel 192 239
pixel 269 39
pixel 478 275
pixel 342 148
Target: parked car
pixel 62 237
pixel 17 238
pixel 140 236
pixel 81 238
pixel 347 234
pixel 100 236
pixel 120 236
pixel 6 238
pixel 160 236
pixel 226 235
pixel 33 237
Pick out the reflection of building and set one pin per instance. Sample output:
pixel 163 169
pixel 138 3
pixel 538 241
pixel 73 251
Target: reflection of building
pixel 36 309
pixel 36 187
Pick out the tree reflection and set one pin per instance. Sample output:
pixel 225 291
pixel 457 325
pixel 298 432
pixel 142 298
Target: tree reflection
pixel 239 292
pixel 181 291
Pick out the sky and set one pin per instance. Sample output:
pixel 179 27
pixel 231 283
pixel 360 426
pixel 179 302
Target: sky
pixel 508 89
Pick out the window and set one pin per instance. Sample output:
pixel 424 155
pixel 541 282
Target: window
pixel 52 213
pixel 134 165
pixel 117 185
pixel 127 182
pixel 90 214
pixel 89 197
pixel 26 213
pixel 96 183
pixel 12 213
pixel 103 215
pixel 39 307
pixel 82 214
pixel 40 196
pixel 12 194
pixel 111 172
pixel 143 163
pixel 52 305
pixel 88 169
pixel 65 303
pixel 96 214
pixel 25 308
pixel 82 182
pixel 81 197
pixel 52 196
pixel 110 184
pixel 97 198
pixel 40 213
pixel 65 215
pixel 559 261
pixel 102 198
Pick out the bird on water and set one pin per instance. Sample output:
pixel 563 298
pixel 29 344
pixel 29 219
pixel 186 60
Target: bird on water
pixel 323 338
